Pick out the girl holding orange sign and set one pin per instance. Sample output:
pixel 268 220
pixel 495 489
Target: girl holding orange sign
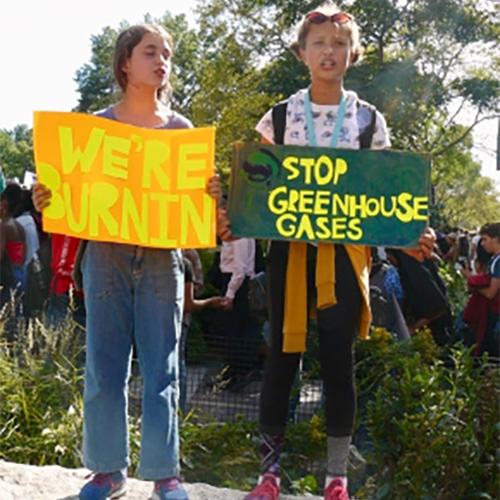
pixel 133 295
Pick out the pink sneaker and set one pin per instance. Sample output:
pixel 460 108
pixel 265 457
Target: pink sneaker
pixel 267 489
pixel 336 490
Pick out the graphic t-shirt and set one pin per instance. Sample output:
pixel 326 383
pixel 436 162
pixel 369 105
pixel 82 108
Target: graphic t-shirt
pixel 357 118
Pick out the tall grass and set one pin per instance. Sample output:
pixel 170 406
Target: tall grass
pixel 40 391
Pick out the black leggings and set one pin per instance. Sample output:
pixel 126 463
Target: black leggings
pixel 337 328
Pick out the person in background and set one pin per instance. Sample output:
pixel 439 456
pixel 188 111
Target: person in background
pixel 480 257
pixel 193 257
pixel 12 246
pixel 64 297
pixel 37 278
pixel 482 310
pixel 463 249
pixel 191 304
pixel 24 217
pixel 133 295
pixel 451 255
pixel 238 326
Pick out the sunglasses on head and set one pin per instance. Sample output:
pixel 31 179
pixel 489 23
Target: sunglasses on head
pixel 320 18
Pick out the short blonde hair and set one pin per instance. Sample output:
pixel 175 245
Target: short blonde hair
pixel 328 9
pixel 125 44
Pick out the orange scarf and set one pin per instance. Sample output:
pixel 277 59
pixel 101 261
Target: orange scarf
pixel 295 315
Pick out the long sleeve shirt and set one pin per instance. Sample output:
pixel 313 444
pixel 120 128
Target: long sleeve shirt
pixel 238 258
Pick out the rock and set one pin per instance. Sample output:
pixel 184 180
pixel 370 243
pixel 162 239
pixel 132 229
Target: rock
pixel 51 482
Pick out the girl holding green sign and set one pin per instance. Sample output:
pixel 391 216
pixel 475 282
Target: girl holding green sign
pixel 133 295
pixel 331 277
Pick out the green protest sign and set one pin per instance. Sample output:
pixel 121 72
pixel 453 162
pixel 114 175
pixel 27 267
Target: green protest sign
pixel 323 194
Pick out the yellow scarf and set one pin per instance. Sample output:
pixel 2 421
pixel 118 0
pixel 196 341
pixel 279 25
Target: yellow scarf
pixel 295 314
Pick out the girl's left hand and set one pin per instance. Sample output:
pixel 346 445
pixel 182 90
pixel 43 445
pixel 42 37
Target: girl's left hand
pixel 425 245
pixel 214 188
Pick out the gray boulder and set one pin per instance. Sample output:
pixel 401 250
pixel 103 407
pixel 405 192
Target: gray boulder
pixel 51 482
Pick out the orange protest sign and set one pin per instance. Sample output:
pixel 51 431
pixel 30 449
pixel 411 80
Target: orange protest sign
pixel 115 182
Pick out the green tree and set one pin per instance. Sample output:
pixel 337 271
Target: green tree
pixel 229 95
pixel 95 79
pixel 463 196
pixel 16 151
pixel 421 61
pixel 426 62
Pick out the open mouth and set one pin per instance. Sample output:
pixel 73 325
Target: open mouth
pixel 328 64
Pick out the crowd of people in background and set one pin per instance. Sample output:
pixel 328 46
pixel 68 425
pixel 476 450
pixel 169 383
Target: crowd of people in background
pixel 129 298
pixel 23 250
pixel 37 278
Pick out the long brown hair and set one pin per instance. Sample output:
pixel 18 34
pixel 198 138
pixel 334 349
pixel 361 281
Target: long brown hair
pixel 125 43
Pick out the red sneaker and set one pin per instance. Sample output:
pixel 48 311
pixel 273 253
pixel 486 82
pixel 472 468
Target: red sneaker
pixel 267 489
pixel 336 490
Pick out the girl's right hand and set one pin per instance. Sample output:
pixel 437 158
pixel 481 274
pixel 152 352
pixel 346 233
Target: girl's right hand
pixel 41 196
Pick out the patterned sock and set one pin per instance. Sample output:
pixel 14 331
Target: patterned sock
pixel 270 450
pixel 338 453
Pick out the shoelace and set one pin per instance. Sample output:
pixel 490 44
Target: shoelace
pixel 336 491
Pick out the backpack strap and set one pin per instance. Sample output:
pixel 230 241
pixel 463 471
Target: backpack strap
pixel 279 121
pixel 279 124
pixel 365 138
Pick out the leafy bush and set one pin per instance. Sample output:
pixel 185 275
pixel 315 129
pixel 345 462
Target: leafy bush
pixel 455 286
pixel 434 425
pixel 428 419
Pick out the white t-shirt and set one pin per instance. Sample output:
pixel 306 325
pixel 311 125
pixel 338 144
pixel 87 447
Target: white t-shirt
pixel 356 119
pixel 238 258
pixel 32 242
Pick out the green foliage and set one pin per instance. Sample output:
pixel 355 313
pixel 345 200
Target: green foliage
pixel 196 345
pixel 41 405
pixel 227 454
pixel 186 61
pixel 432 418
pixel 16 151
pixel 219 453
pixel 456 287
pixel 463 197
pixel 95 79
pixel 432 428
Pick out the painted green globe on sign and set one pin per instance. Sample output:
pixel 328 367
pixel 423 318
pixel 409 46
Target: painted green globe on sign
pixel 261 166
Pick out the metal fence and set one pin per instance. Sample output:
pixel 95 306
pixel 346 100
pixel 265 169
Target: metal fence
pixel 223 381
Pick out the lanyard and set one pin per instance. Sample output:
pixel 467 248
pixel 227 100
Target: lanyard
pixel 311 134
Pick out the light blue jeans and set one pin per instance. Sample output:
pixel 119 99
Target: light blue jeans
pixel 132 295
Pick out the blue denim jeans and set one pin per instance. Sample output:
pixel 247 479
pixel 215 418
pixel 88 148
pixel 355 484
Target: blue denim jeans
pixel 132 294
